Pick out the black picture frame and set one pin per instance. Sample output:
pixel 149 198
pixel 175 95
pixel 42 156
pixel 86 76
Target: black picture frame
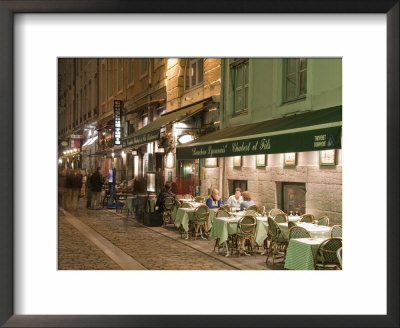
pixel 9 8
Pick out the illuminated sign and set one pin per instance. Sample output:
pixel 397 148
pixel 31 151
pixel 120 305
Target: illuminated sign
pixel 117 122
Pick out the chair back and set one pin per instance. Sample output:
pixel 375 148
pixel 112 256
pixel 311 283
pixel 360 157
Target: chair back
pixel 261 210
pixel 177 203
pixel 169 203
pixel 327 252
pixel 247 225
pixel 298 232
pixel 199 199
pixel 225 207
pixel 339 256
pixel 272 213
pixel 308 218
pixel 188 196
pixel 252 208
pixel 291 224
pixel 201 213
pixel 186 205
pixel 323 221
pixel 222 214
pixel 253 213
pixel 280 218
pixel 273 227
pixel 336 231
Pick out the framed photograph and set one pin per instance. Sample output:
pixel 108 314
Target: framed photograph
pixel 289 159
pixel 327 157
pixel 237 161
pixel 29 298
pixel 211 162
pixel 261 160
pixel 170 160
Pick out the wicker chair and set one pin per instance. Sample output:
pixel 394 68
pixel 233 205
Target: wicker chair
pixel 298 232
pixel 280 218
pixel 326 257
pixel 336 231
pixel 187 196
pixel 169 204
pixel 221 213
pixel 253 213
pixel 199 199
pixel 307 218
pixel 274 212
pixel 225 207
pixel 252 208
pixel 261 210
pixel 323 221
pixel 291 224
pixel 246 232
pixel 186 205
pixel 200 217
pixel 277 239
pixel 340 256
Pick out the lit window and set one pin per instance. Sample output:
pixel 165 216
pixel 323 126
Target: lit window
pixel 194 72
pixel 295 75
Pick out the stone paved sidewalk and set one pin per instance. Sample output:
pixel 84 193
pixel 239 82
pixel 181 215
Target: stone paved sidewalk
pixel 157 248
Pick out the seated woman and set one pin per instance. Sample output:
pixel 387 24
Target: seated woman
pixel 214 201
pixel 246 201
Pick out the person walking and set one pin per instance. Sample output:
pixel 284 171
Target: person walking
pixel 76 188
pixel 62 188
pixel 96 182
pixel 88 189
pixel 68 185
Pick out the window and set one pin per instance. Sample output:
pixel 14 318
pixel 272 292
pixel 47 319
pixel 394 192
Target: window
pixel 130 71
pixel 103 82
pixel 144 66
pixel 158 62
pixel 194 72
pixel 295 79
pixel 110 79
pixel 120 74
pixel 240 76
pixel 145 120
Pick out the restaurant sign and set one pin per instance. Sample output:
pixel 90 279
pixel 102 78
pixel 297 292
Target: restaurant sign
pixel 117 122
pixel 309 140
pixel 142 138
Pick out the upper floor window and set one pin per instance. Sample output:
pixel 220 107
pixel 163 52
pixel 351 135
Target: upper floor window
pixel 158 62
pixel 130 71
pixel 145 120
pixel 120 74
pixel 295 75
pixel 240 76
pixel 194 72
pixel 143 66
pixel 103 82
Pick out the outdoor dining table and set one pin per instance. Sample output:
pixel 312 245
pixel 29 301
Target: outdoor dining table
pixel 224 226
pixel 301 253
pixel 185 215
pixel 316 231
pixel 175 210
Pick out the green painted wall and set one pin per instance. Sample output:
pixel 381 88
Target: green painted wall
pixel 324 90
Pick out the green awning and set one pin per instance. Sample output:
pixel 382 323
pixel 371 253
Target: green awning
pixel 314 130
pixel 151 131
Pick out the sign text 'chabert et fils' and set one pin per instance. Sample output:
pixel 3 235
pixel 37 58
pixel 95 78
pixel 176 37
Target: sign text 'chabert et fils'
pixel 236 147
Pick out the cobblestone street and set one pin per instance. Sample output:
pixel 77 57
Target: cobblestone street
pixel 152 248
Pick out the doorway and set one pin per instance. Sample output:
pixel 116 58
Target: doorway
pixel 294 197
pixel 188 177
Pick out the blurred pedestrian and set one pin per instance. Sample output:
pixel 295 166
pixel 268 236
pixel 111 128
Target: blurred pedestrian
pixel 88 189
pixel 68 200
pixel 96 182
pixel 76 188
pixel 166 192
pixel 62 188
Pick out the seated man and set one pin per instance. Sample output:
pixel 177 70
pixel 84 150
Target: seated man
pixel 236 199
pixel 166 192
pixel 214 201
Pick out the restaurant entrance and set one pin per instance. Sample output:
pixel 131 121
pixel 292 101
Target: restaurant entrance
pixel 188 177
